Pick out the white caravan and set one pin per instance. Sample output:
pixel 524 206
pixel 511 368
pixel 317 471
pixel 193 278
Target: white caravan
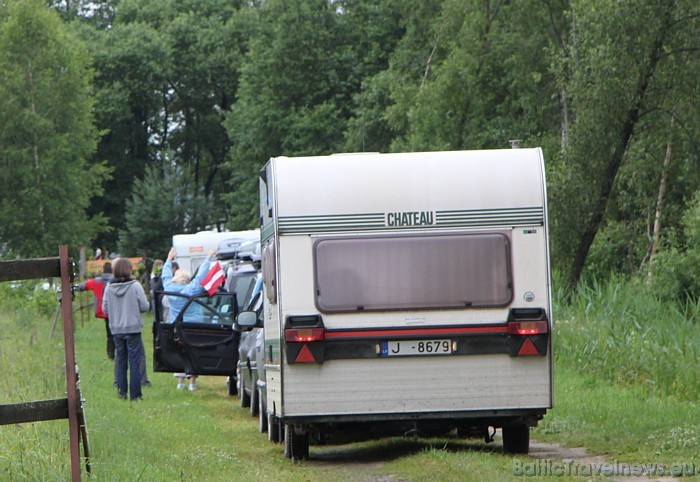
pixel 405 293
pixel 192 249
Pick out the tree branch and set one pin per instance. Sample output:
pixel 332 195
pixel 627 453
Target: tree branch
pixel 429 63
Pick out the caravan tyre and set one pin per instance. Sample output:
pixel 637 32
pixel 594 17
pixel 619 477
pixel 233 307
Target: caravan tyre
pixel 516 439
pixel 296 446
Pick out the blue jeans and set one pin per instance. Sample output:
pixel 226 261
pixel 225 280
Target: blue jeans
pixel 129 356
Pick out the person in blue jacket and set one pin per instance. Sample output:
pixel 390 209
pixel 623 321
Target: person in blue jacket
pixel 183 283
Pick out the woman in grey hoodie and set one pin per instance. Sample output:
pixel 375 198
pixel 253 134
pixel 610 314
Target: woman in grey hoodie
pixel 123 302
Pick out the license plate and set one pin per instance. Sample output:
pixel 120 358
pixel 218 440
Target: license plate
pixel 416 347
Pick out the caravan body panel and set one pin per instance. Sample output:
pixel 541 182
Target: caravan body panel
pixel 447 248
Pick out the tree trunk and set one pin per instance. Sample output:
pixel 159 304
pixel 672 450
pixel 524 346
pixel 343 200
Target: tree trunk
pixel 610 171
pixel 564 121
pixel 656 233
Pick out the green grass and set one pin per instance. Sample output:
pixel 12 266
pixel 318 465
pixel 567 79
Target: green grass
pixel 629 424
pixel 205 436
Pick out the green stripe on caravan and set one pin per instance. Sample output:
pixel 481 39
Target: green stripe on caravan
pixel 414 218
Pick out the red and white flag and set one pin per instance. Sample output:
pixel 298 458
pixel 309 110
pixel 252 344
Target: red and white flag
pixel 214 278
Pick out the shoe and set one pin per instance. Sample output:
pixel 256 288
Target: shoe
pixel 180 386
pixel 147 384
pixel 192 387
pixel 137 399
pixel 122 396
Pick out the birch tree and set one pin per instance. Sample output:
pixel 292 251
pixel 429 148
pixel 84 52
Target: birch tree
pixel 47 134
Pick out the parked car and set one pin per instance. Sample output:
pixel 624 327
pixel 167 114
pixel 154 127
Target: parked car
pixel 247 372
pixel 242 279
pixel 249 251
pixel 252 368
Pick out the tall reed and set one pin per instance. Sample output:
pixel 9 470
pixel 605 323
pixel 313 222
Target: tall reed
pixel 620 331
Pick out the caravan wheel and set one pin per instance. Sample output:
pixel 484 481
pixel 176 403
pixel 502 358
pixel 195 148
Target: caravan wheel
pixel 516 439
pixel 296 446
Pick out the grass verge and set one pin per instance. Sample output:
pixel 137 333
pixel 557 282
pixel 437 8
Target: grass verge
pixel 630 424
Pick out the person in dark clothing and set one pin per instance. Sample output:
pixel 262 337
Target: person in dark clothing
pixel 97 286
pixel 156 285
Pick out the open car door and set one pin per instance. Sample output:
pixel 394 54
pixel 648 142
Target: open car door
pixel 202 340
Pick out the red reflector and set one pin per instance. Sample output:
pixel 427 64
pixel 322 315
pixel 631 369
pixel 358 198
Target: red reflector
pixel 304 334
pixel 528 348
pixel 305 355
pixel 527 327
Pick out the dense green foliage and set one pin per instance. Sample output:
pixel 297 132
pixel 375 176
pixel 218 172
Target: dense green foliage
pixel 47 134
pixel 165 77
pixel 208 90
pixel 149 213
pixel 626 74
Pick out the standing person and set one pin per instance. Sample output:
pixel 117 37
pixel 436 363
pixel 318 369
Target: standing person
pixel 156 286
pixel 97 286
pixel 124 301
pixel 165 300
pixel 182 283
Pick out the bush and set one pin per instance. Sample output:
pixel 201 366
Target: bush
pixel 676 269
pixel 32 296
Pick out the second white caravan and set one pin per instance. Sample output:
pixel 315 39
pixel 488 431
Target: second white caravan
pixel 405 293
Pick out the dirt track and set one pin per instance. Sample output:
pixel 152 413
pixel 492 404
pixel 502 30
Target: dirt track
pixel 367 464
pixel 580 457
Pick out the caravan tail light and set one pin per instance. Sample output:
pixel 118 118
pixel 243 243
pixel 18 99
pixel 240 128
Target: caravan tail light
pixel 528 331
pixel 304 335
pixel 528 327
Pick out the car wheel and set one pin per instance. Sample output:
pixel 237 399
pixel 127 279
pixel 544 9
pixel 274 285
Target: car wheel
pixel 243 394
pixel 232 385
pixel 516 439
pixel 253 400
pixel 262 414
pixel 296 446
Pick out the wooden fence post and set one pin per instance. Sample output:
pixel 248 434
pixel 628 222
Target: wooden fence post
pixel 70 407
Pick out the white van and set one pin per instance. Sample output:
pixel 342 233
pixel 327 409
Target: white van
pixel 405 293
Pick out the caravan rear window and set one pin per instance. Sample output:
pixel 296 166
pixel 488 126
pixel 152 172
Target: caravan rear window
pixel 412 272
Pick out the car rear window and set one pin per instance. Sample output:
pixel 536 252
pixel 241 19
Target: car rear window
pixel 412 272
